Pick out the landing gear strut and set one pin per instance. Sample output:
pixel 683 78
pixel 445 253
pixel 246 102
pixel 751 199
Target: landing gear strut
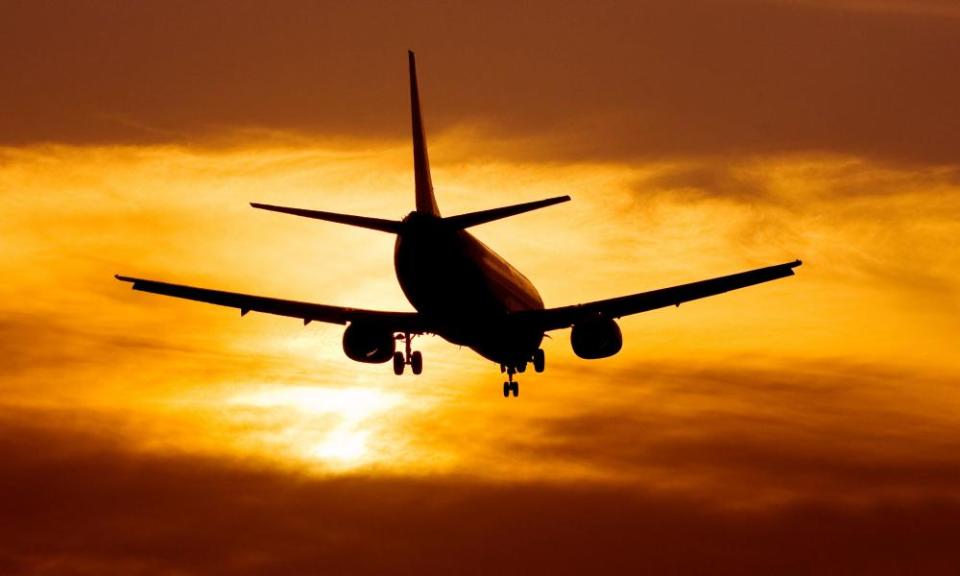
pixel 401 359
pixel 511 386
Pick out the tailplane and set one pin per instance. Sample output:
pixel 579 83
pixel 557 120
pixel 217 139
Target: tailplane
pixel 380 224
pixel 459 222
pixel 462 221
pixel 425 201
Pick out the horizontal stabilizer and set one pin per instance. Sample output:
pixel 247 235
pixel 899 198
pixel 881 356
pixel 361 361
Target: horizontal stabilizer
pixel 461 221
pixel 362 221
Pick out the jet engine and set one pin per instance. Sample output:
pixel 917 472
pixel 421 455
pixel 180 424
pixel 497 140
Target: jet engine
pixel 369 344
pixel 596 338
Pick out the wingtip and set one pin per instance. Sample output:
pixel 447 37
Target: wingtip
pixel 123 278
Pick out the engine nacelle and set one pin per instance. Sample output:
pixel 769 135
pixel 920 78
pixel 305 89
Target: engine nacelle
pixel 597 338
pixel 368 344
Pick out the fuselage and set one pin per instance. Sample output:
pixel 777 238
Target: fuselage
pixel 466 290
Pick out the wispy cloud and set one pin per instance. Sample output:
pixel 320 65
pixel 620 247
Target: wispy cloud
pixel 927 8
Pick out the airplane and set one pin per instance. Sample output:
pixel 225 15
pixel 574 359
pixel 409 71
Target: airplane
pixel 461 289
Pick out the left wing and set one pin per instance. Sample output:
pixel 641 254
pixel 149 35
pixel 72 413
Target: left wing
pixel 565 316
pixel 408 322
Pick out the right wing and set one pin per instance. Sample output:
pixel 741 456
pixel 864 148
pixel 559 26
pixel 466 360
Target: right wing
pixel 408 322
pixel 565 316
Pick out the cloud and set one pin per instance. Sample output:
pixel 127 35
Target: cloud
pixel 76 503
pixel 754 434
pixel 608 81
pixel 783 426
pixel 697 181
pixel 804 426
pixel 876 241
pixel 922 8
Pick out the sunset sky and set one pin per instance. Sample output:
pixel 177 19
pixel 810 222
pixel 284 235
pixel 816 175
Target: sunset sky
pixel 809 425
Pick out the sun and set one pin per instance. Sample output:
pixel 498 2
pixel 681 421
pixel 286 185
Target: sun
pixel 332 426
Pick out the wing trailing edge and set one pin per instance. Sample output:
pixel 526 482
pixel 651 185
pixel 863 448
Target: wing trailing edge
pixel 409 322
pixel 565 316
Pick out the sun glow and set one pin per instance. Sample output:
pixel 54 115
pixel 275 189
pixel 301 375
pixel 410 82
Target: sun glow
pixel 330 425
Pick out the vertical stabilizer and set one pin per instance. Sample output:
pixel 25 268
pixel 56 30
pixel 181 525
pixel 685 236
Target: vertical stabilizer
pixel 426 203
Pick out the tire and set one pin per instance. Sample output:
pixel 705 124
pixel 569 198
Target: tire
pixel 506 389
pixel 522 367
pixel 398 363
pixel 416 362
pixel 515 388
pixel 539 360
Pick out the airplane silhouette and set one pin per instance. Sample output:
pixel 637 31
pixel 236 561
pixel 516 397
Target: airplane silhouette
pixel 462 290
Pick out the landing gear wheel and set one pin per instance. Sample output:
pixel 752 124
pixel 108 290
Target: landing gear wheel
pixel 398 363
pixel 506 389
pixel 522 367
pixel 416 362
pixel 539 360
pixel 515 388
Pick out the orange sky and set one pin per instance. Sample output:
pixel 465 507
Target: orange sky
pixel 807 425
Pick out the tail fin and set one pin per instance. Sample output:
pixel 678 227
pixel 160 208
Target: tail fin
pixel 426 203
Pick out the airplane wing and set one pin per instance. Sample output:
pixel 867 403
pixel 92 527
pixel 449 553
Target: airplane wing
pixel 565 316
pixel 409 322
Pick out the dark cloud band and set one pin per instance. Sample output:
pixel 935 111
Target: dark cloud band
pixel 608 80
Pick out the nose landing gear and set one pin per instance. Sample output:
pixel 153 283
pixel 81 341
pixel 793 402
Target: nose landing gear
pixel 401 359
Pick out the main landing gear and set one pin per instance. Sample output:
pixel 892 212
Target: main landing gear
pixel 510 386
pixel 539 360
pixel 401 359
pixel 513 387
